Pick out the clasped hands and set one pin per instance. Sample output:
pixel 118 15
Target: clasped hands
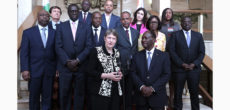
pixel 72 65
pixel 115 76
pixel 188 66
pixel 147 91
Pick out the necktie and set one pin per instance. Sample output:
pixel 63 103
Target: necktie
pixel 73 30
pixel 127 32
pixel 188 38
pixel 43 35
pixel 95 35
pixel 149 59
pixel 84 16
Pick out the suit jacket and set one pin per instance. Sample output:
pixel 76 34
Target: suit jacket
pixel 180 53
pixel 68 49
pixel 101 37
pixel 114 22
pixel 124 46
pixel 157 76
pixel 34 57
pixel 51 26
pixel 88 18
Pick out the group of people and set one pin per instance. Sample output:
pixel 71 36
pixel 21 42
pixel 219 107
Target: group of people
pixel 110 61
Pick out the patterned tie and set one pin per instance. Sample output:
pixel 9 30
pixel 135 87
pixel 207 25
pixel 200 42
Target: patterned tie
pixel 96 36
pixel 149 59
pixel 188 38
pixel 43 35
pixel 73 30
pixel 127 32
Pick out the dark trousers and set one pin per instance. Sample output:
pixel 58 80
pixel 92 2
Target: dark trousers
pixel 193 86
pixel 98 102
pixel 41 86
pixel 128 92
pixel 70 84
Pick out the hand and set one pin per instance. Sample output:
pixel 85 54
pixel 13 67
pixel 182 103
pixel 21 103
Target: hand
pixel 191 66
pixel 114 76
pixel 26 75
pixel 57 74
pixel 72 65
pixel 185 66
pixel 144 90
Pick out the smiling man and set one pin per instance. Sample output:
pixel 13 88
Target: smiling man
pixel 150 71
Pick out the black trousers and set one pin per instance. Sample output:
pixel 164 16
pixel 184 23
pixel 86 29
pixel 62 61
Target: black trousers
pixel 98 102
pixel 71 84
pixel 193 86
pixel 147 108
pixel 128 92
pixel 41 86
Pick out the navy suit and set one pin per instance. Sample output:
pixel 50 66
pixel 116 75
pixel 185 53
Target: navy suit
pixel 40 61
pixel 180 53
pixel 68 49
pixel 114 22
pixel 157 77
pixel 127 51
pixel 101 37
pixel 88 18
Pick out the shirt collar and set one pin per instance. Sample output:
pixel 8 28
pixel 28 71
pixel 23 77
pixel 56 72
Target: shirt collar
pixel 109 14
pixel 126 28
pixel 84 12
pixel 76 22
pixel 40 27
pixel 99 28
pixel 152 50
pixel 189 31
pixel 55 22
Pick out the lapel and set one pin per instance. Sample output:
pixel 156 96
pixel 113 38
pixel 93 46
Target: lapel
pixel 111 21
pixel 102 33
pixel 80 16
pixel 133 34
pixel 182 38
pixel 50 37
pixel 68 30
pixel 154 59
pixel 103 24
pixel 124 35
pixel 79 27
pixel 38 36
pixel 143 58
pixel 88 19
pixel 193 37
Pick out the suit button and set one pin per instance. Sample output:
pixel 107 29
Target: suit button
pixel 148 77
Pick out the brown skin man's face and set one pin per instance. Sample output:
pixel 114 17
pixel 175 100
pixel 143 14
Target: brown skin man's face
pixel 73 12
pixel 85 5
pixel 43 18
pixel 125 20
pixel 147 40
pixel 96 20
pixel 108 6
pixel 186 23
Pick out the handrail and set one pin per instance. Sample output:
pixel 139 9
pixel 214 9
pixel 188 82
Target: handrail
pixel 206 95
pixel 29 22
pixel 207 62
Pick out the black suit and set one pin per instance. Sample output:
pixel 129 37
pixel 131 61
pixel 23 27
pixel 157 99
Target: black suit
pixel 157 76
pixel 180 53
pixel 127 50
pixel 88 19
pixel 68 49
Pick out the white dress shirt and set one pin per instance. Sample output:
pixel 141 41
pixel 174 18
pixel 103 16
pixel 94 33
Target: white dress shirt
pixel 85 15
pixel 54 24
pixel 46 31
pixel 189 32
pixel 130 35
pixel 107 18
pixel 98 31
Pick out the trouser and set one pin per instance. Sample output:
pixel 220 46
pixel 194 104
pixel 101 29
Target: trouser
pixel 71 84
pixel 41 86
pixel 193 84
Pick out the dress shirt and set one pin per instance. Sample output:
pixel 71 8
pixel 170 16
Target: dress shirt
pixel 46 31
pixel 107 18
pixel 98 31
pixel 54 24
pixel 85 15
pixel 189 32
pixel 130 35
pixel 76 23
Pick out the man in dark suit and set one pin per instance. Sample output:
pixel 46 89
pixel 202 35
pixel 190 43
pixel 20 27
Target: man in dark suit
pixel 73 43
pixel 187 52
pixel 109 20
pixel 127 46
pixel 150 71
pixel 38 61
pixel 85 15
pixel 55 13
